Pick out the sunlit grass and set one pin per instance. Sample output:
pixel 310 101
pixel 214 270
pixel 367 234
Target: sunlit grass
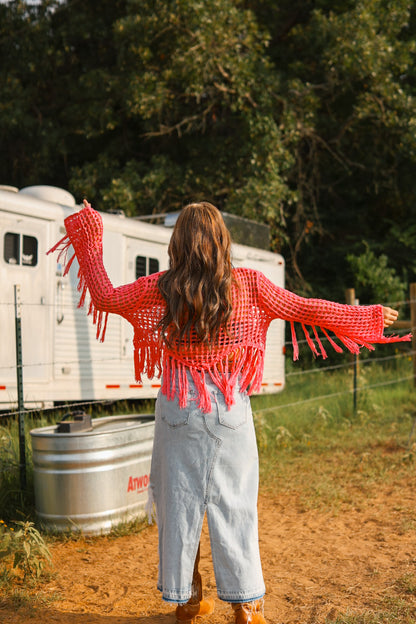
pixel 392 609
pixel 326 451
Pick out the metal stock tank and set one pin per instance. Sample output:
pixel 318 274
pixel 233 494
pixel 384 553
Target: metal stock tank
pixel 90 475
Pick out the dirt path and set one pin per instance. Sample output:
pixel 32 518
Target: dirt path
pixel 317 565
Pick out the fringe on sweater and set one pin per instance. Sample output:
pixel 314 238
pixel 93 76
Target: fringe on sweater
pixel 99 317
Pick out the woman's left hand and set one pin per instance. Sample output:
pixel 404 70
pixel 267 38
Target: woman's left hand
pixel 389 316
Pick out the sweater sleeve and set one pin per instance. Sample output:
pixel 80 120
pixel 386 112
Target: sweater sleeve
pixel 355 326
pixel 84 231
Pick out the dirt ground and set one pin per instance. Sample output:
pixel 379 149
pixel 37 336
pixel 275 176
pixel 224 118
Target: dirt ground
pixel 317 565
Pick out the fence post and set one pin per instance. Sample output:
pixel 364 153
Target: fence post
pixel 351 300
pixel 19 373
pixel 413 326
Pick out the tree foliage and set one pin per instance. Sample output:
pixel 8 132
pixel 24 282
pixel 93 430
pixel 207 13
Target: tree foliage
pixel 299 114
pixel 376 280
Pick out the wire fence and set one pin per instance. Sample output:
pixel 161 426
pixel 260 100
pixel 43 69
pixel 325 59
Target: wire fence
pixel 322 397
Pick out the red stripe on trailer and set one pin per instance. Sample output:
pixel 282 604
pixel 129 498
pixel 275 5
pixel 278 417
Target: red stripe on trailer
pixel 156 385
pixel 277 384
pixel 110 386
pixel 135 385
pixel 2 387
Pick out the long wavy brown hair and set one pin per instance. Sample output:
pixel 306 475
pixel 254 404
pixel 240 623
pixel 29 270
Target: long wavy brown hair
pixel 197 285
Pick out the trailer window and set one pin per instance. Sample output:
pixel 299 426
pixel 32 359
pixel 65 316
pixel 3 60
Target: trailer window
pixel 20 249
pixel 11 248
pixel 153 265
pixel 146 266
pixel 140 266
pixel 30 251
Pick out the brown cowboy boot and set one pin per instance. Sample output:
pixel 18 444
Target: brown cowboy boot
pixel 249 612
pixel 196 606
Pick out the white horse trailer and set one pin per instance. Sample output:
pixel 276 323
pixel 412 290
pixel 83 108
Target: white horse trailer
pixel 62 360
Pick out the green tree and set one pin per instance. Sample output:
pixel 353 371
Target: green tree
pixel 375 281
pixel 193 80
pixel 349 76
pixel 299 113
pixel 55 63
pixel 26 134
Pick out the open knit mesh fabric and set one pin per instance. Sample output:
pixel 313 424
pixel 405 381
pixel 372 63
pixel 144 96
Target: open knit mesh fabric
pixel 238 353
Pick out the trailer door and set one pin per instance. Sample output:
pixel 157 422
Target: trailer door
pixel 23 242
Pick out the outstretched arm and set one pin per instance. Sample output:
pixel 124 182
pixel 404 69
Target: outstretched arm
pixel 355 326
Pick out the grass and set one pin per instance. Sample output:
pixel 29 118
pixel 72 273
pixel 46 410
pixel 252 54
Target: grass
pixel 392 610
pixel 325 451
pixel 27 596
pixel 397 607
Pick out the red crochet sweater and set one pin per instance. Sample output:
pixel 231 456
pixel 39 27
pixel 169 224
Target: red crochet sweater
pixel 239 352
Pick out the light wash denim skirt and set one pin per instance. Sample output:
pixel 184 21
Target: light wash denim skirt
pixel 207 463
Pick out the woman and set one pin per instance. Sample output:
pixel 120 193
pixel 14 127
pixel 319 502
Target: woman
pixel 202 326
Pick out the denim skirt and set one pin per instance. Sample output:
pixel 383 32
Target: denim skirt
pixel 206 464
